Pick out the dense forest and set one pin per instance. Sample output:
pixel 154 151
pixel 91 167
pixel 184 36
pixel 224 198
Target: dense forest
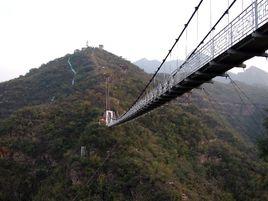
pixel 185 150
pixel 262 144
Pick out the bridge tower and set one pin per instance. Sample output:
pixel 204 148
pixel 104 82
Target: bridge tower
pixel 109 114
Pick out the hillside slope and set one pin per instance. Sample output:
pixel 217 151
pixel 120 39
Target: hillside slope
pixel 53 81
pixel 245 110
pixel 174 153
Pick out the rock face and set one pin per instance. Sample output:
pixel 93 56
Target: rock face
pixel 177 152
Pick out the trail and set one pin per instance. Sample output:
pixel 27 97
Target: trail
pixel 72 69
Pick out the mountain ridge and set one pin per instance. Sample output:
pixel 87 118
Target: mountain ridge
pixel 253 76
pixel 150 66
pixel 176 152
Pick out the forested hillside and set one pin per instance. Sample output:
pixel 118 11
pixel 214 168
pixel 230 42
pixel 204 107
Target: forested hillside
pixel 262 144
pixel 179 152
pixel 242 106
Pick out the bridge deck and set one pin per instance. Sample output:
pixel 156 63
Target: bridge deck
pixel 254 44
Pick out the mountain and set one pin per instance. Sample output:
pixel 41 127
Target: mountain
pixel 177 152
pixel 150 66
pixel 53 81
pixel 252 76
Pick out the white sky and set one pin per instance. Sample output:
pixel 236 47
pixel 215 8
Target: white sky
pixel 34 31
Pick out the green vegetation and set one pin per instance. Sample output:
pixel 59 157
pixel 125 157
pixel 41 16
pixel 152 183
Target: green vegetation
pixel 243 116
pixel 263 145
pixel 174 153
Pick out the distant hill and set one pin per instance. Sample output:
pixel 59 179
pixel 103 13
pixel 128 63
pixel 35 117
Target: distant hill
pixel 251 76
pixel 150 66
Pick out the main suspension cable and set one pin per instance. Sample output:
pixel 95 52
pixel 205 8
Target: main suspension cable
pixel 239 92
pixel 211 30
pixel 244 93
pixel 164 60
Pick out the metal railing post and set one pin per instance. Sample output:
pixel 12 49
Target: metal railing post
pixel 231 35
pixel 256 14
pixel 212 46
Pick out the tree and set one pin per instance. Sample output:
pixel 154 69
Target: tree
pixel 263 144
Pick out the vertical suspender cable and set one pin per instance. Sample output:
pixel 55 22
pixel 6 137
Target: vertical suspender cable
pixel 170 65
pixel 228 12
pixel 197 25
pixel 210 14
pixel 106 99
pixel 210 21
pixel 107 94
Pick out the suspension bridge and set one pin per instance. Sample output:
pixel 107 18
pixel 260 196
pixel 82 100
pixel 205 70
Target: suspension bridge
pixel 242 38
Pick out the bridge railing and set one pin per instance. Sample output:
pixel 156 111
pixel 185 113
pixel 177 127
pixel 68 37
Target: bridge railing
pixel 247 22
pixel 243 25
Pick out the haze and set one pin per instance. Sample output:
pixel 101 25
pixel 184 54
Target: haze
pixel 35 32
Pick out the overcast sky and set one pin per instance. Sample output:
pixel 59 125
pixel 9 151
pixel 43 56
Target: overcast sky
pixel 34 32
